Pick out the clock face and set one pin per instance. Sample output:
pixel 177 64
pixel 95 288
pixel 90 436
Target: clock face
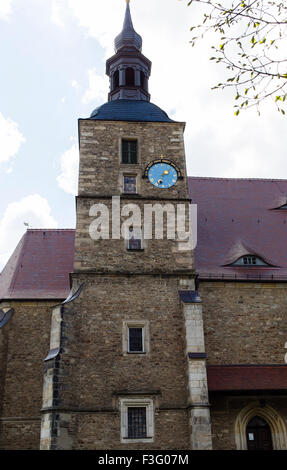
pixel 162 175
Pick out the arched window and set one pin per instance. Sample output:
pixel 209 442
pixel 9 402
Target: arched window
pixel 143 81
pixel 258 434
pixel 116 80
pixel 130 77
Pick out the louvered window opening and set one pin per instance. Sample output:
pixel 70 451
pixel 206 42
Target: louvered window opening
pixel 137 423
pixel 135 340
pixel 249 260
pixel 129 151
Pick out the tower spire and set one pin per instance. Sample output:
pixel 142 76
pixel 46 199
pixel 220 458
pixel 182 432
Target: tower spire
pixel 128 37
pixel 129 70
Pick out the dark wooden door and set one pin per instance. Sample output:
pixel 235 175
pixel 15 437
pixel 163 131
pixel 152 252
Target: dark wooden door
pixel 258 435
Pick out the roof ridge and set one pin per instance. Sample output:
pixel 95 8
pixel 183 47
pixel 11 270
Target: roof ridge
pixel 219 178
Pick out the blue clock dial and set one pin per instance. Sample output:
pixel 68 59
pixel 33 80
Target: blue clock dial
pixel 162 175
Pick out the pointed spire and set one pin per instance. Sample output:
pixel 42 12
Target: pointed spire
pixel 128 37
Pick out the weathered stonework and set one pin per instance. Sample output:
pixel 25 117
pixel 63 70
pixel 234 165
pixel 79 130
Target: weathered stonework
pixel 100 162
pixel 88 370
pixel 245 323
pixel 24 341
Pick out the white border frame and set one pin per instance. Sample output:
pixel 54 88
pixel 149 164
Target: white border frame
pixel 147 403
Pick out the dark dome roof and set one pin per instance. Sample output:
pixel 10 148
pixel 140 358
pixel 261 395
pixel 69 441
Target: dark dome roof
pixel 130 110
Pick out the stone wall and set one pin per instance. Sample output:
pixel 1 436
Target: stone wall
pixel 95 371
pixel 111 255
pixel 100 178
pixel 100 155
pixel 24 343
pixel 244 323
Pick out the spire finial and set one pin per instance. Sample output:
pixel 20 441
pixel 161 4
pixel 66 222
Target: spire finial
pixel 128 37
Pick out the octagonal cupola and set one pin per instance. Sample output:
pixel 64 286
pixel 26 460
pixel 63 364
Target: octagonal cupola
pixel 128 70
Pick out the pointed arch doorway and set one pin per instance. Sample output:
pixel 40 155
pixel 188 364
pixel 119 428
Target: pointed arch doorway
pixel 258 434
pixel 270 416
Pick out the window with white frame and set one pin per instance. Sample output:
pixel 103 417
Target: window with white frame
pixel 137 420
pixel 136 337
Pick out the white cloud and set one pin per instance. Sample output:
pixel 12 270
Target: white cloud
pixel 100 19
pixel 75 84
pixel 56 13
pixel 34 210
pixel 5 9
pixel 10 139
pixel 98 88
pixel 68 179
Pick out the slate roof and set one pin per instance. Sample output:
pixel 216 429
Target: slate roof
pixel 235 217
pixel 39 267
pixel 130 110
pixel 238 217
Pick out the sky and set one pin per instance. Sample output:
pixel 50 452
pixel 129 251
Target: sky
pixel 53 55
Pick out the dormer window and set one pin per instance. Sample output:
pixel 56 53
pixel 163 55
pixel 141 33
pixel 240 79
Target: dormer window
pixel 283 207
pixel 249 261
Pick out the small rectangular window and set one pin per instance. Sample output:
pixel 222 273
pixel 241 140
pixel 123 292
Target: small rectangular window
pixel 129 151
pixel 136 339
pixel 130 184
pixel 135 244
pixel 134 241
pixel 137 423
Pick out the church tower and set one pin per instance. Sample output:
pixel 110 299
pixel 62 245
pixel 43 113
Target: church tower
pixel 126 366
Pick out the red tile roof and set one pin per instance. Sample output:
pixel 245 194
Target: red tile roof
pixel 39 267
pixel 247 377
pixel 238 217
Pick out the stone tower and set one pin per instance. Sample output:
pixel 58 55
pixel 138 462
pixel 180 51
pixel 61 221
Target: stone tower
pixel 126 366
